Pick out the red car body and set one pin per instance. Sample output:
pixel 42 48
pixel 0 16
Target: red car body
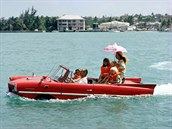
pixel 56 87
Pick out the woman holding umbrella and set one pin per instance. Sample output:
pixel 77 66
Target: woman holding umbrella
pixel 122 61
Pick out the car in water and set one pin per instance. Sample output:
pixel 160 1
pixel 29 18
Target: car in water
pixel 56 86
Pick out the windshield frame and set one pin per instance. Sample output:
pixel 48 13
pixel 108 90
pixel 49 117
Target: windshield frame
pixel 60 74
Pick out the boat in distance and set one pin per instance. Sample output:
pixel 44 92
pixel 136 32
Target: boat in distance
pixel 56 86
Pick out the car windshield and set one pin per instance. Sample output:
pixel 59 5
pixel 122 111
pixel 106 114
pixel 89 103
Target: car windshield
pixel 60 74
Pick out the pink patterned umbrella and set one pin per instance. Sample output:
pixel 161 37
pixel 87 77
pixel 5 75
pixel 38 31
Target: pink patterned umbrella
pixel 115 48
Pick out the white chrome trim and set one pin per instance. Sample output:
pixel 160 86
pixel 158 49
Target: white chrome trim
pixel 75 94
pixel 52 93
pixel 68 94
pixel 33 92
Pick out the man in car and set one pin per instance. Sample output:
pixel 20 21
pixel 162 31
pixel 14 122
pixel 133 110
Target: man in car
pixel 83 79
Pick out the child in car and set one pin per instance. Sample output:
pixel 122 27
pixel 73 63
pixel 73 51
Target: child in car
pixel 77 74
pixel 114 76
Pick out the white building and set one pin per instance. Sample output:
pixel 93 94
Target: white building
pixel 71 23
pixel 148 25
pixel 114 25
pixel 131 28
pixel 153 25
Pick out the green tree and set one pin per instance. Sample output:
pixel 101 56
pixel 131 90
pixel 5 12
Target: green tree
pixel 95 19
pixel 48 24
pixel 18 24
pixel 168 23
pixel 129 19
pixel 110 19
pixel 29 18
pixel 36 23
pixel 164 23
pixel 42 24
pixel 140 18
pixel 3 24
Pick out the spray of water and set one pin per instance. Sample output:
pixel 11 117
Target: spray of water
pixel 165 65
pixel 164 89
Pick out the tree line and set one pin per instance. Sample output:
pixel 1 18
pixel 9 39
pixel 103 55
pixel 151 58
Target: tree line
pixel 29 21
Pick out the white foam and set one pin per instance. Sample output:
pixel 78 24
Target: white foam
pixel 164 89
pixel 165 65
pixel 63 101
pixel 14 96
pixel 10 94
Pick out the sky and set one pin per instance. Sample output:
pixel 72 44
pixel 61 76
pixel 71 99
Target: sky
pixel 9 8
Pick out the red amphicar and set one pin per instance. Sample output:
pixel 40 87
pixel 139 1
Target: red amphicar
pixel 57 87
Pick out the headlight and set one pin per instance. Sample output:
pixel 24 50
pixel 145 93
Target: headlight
pixel 15 87
pixel 12 87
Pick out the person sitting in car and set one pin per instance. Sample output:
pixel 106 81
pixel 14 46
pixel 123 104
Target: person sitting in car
pixel 105 68
pixel 77 74
pixel 114 64
pixel 114 76
pixel 83 79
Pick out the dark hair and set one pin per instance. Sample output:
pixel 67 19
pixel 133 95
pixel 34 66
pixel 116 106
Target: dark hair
pixel 86 71
pixel 77 70
pixel 106 60
pixel 122 57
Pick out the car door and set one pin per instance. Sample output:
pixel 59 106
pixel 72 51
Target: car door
pixel 51 89
pixel 73 90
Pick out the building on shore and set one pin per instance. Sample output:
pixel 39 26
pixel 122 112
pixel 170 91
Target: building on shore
pixel 70 23
pixel 131 28
pixel 114 25
pixel 154 26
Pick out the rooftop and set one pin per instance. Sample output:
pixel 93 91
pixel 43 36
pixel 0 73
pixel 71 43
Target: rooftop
pixel 115 23
pixel 71 17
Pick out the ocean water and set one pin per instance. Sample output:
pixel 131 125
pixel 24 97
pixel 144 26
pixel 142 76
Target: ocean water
pixel 150 57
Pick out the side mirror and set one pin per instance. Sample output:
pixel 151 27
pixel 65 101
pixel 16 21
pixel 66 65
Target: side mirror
pixel 44 77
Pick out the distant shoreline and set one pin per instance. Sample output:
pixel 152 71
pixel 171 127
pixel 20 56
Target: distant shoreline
pixel 77 31
pixel 29 22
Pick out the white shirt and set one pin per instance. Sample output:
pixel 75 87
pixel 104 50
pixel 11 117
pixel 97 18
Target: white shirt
pixel 81 80
pixel 122 65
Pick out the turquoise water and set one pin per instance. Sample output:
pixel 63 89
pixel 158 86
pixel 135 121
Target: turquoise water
pixel 150 57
